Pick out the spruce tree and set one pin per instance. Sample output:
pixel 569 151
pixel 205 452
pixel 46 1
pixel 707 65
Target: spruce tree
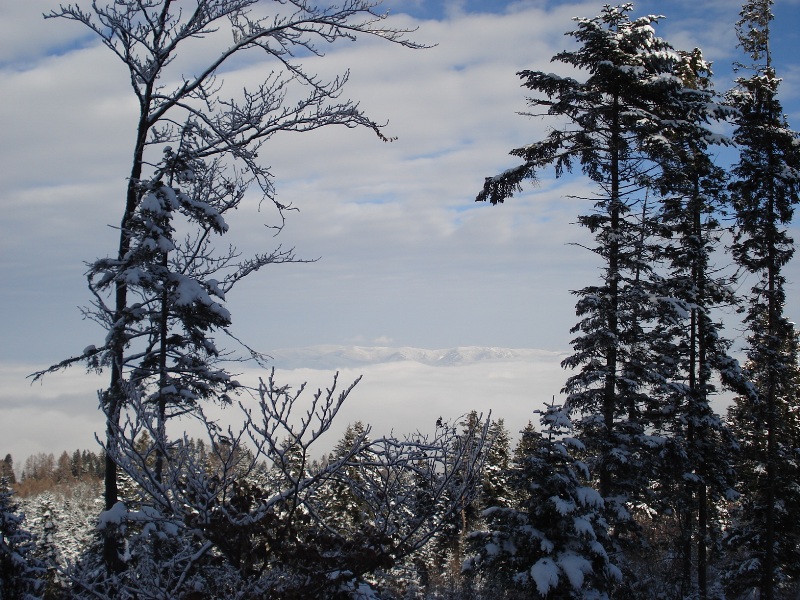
pixel 495 487
pixel 765 190
pixel 346 509
pixel 449 546
pixel 618 125
pixel 7 469
pixel 746 537
pixel 21 573
pixel 696 468
pixel 552 541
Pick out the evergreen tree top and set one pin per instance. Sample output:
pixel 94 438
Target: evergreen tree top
pixel 752 29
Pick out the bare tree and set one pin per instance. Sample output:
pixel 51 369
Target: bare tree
pixel 195 153
pixel 251 519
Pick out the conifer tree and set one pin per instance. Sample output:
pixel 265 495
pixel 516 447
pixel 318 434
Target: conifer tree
pixel 495 487
pixel 746 536
pixel 765 190
pixel 21 573
pixel 552 541
pixel 7 469
pixel 617 125
pixel 449 545
pixel 47 550
pixel 346 510
pixel 76 465
pixel 697 448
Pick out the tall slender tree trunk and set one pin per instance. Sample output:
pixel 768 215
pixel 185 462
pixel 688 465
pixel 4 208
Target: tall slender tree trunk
pixel 690 487
pixel 695 509
pixel 163 378
pixel 702 536
pixel 700 385
pixel 610 390
pixel 694 339
pixel 116 394
pixel 771 400
pixel 774 311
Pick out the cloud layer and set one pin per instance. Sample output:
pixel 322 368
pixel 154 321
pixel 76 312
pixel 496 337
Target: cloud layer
pixel 402 390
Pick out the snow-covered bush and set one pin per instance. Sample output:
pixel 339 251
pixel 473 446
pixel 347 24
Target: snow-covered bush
pixel 251 518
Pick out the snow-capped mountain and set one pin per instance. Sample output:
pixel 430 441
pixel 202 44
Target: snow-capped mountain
pixel 339 357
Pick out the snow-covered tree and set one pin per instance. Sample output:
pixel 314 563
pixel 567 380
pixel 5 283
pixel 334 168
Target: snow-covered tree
pixel 619 126
pixel 47 551
pixel 7 469
pixel 696 449
pixel 344 503
pixel 160 296
pixel 445 555
pixel 552 542
pixel 746 535
pixel 495 486
pixel 253 519
pixel 765 191
pixel 21 573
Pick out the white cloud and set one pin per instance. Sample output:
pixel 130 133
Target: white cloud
pixel 58 414
pixel 26 37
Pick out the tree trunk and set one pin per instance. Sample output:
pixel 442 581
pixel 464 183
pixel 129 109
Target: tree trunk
pixel 610 390
pixel 115 395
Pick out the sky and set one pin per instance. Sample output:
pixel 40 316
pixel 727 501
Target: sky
pixel 406 257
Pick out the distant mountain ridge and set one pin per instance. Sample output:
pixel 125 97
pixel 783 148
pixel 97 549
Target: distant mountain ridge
pixel 338 357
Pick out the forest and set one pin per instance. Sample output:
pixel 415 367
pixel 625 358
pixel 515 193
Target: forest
pixel 629 485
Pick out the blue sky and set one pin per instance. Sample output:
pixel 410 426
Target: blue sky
pixel 407 257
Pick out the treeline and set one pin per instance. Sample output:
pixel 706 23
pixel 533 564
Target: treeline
pixel 43 471
pixel 533 491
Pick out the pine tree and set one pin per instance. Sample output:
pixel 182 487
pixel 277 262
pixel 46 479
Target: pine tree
pixel 765 190
pixel 76 465
pixel 746 536
pixel 551 543
pixel 346 509
pixel 495 487
pixel 47 550
pixel 449 546
pixel 7 469
pixel 619 126
pixel 21 574
pixel 696 470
